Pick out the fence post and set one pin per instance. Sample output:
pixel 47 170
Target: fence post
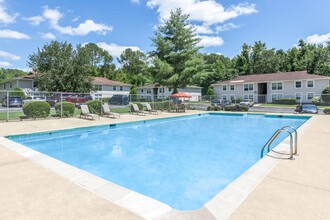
pixel 7 116
pixel 61 105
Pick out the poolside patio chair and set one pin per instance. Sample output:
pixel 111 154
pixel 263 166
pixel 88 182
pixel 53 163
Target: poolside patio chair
pixel 135 109
pixel 107 112
pixel 150 110
pixel 86 113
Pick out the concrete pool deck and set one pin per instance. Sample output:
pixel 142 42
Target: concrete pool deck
pixel 294 189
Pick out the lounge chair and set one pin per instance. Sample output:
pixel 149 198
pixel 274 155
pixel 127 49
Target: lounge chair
pixel 86 113
pixel 150 110
pixel 107 112
pixel 135 109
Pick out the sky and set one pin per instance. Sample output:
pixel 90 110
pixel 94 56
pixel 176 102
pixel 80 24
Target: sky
pixel 114 25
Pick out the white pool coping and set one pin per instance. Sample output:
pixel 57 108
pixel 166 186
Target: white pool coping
pixel 220 207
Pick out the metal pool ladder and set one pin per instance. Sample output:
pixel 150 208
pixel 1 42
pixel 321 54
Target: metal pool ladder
pixel 289 130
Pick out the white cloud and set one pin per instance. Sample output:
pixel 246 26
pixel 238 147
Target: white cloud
pixel 5 17
pixel 75 19
pixel 54 15
pixel 114 49
pixel 135 1
pixel 210 41
pixel 208 12
pixel 9 56
pixel 200 29
pixel 226 27
pixel 5 64
pixel 34 20
pixel 13 34
pixel 48 36
pixel 318 39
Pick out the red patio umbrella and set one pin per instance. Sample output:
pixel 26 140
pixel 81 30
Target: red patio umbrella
pixel 181 95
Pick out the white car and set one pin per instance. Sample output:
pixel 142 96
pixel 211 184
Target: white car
pixel 34 98
pixel 247 102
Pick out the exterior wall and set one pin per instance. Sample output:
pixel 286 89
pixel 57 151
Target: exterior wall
pixel 196 93
pixel 108 91
pixel 24 84
pixel 288 90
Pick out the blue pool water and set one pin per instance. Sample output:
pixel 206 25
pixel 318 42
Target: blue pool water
pixel 183 161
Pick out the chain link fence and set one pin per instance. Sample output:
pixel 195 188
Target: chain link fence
pixel 13 102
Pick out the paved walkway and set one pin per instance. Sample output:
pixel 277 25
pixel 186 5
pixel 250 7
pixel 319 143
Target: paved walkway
pixel 294 189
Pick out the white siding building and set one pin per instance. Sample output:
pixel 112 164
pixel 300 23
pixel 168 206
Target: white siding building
pixel 105 88
pixel 264 88
pixel 154 92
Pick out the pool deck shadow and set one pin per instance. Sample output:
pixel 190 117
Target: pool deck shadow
pixel 289 189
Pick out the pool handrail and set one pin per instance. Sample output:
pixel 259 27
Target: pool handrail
pixel 295 138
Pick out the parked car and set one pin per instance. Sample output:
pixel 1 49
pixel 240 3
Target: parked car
pixel 13 101
pixel 34 98
pixel 119 100
pixel 77 99
pixel 307 108
pixel 247 102
pixel 220 102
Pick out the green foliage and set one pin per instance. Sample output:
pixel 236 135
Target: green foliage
pixel 287 101
pixel 157 105
pixel 36 109
pixel 8 74
pixel 236 108
pixel 175 58
pixel 316 100
pixel 67 109
pixel 326 111
pixel 210 91
pixel 18 92
pixel 133 94
pixel 326 94
pixel 63 68
pixel 95 106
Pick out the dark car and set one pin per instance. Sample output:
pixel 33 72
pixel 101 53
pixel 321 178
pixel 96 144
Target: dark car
pixel 13 101
pixel 307 108
pixel 220 102
pixel 119 100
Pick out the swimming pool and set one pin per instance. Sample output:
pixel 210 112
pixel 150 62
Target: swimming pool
pixel 183 161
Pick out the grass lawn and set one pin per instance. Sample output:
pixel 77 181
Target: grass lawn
pixel 120 110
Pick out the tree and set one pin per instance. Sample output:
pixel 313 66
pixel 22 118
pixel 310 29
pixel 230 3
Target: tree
pixel 175 59
pixel 61 68
pixel 134 63
pixel 242 61
pixel 6 74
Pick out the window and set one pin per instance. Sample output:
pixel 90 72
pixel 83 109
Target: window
pixel 98 87
pixel 224 87
pixel 232 97
pixel 114 88
pixel 232 87
pixel 248 87
pixel 310 95
pixel 277 86
pixel 276 96
pixel 148 90
pixel 4 86
pixel 248 96
pixel 11 85
pixel 120 88
pixel 169 89
pixel 161 90
pixel 141 90
pixel 224 97
pixel 298 96
pixel 298 84
pixel 310 84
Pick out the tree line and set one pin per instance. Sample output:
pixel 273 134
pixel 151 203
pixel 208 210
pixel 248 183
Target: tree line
pixel 176 61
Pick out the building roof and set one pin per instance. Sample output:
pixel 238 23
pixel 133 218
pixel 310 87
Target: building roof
pixel 105 81
pixel 282 76
pixel 156 85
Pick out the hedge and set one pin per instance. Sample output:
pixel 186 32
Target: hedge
pixel 236 108
pixel 326 111
pixel 288 101
pixel 326 94
pixel 316 100
pixel 67 109
pixel 36 109
pixel 95 106
pixel 213 108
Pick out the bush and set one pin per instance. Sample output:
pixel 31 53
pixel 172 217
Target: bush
pixel 287 101
pixel 36 109
pixel 216 108
pixel 236 108
pixel 236 100
pixel 17 92
pixel 326 94
pixel 210 108
pixel 316 100
pixel 326 111
pixel 67 109
pixel 95 106
pixel 157 105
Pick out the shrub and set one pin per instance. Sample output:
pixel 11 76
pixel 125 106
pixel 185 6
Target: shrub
pixel 326 94
pixel 17 92
pixel 326 111
pixel 316 100
pixel 216 108
pixel 95 106
pixel 67 109
pixel 36 109
pixel 210 108
pixel 157 105
pixel 236 100
pixel 236 108
pixel 288 101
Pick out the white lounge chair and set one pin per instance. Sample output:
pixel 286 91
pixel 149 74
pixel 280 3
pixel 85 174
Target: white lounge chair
pixel 150 110
pixel 86 113
pixel 107 112
pixel 135 109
